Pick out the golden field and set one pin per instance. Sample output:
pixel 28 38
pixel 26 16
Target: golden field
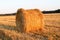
pixel 52 25
pixel 7 20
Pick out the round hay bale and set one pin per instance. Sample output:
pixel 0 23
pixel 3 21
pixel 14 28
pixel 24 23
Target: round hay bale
pixel 29 20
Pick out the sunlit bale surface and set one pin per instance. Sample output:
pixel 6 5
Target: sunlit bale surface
pixel 29 20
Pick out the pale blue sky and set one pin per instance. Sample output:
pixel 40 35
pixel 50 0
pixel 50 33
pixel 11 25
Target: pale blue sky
pixel 11 6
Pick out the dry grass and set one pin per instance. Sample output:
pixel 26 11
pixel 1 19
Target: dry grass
pixel 13 35
pixel 52 19
pixel 52 25
pixel 7 20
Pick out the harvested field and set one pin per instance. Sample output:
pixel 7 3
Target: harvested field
pixel 7 20
pixel 52 25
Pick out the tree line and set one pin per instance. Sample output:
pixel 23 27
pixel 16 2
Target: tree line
pixel 54 11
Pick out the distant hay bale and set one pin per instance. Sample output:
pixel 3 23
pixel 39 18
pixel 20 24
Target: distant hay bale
pixel 29 20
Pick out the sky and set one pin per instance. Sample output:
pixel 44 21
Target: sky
pixel 11 6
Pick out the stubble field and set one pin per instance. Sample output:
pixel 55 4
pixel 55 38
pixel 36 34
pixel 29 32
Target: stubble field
pixel 52 25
